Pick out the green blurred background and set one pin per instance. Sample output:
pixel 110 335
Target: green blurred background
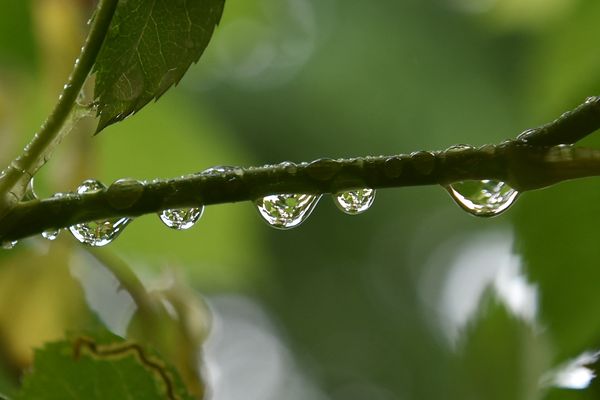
pixel 414 299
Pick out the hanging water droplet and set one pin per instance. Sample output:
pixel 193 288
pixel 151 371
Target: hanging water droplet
pixel 8 244
pixel 97 233
pixel 355 201
pixel 285 211
pixel 182 218
pixel 485 198
pixel 50 234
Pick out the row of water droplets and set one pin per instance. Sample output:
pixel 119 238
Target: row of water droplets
pixel 283 211
pixel 286 211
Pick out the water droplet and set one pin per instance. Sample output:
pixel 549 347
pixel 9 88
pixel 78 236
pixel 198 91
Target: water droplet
pixel 8 244
pixel 97 233
pixel 458 148
pixel 50 234
pixel 221 170
pixel 285 211
pixel 30 192
pixel 394 167
pixel 527 134
pixel 355 201
pixel 181 218
pixel 289 167
pixel 423 162
pixel 124 193
pixel 488 149
pixel 485 198
pixel 323 169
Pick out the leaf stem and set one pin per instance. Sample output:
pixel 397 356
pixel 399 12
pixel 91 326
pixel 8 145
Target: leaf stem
pixel 17 174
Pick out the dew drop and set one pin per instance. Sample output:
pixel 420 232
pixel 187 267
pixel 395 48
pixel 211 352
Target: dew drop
pixel 8 244
pixel 394 167
pixel 527 134
pixel 355 201
pixel 485 198
pixel 181 218
pixel 286 211
pixel 30 192
pixel 458 148
pixel 323 169
pixel 222 170
pixel 289 167
pixel 51 234
pixel 97 233
pixel 423 162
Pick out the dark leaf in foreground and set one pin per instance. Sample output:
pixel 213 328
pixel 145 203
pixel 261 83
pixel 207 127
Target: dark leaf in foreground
pixel 148 49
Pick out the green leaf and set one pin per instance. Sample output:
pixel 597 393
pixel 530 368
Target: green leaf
pixel 149 47
pixel 110 369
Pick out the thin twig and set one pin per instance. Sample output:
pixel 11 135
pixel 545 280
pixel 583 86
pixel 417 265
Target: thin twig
pixel 522 165
pixel 17 174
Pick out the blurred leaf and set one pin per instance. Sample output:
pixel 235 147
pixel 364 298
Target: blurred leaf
pixel 17 44
pixel 86 369
pixel 500 356
pixel 149 47
pixel 31 311
pixel 565 67
pixel 558 237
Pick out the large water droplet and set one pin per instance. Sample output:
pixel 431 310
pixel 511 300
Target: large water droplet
pixel 97 233
pixel 485 198
pixel 355 201
pixel 182 218
pixel 285 211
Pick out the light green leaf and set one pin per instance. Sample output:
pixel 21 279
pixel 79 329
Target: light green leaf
pixel 149 47
pixel 91 370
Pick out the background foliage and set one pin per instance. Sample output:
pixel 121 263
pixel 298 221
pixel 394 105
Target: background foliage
pixel 413 300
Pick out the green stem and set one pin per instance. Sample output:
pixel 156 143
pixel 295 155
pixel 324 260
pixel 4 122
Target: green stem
pixel 18 173
pixel 127 279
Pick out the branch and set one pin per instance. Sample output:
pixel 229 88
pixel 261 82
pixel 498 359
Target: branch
pixel 15 177
pixel 532 161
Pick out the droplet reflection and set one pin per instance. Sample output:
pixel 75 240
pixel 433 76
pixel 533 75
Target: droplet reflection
pixel 485 198
pixel 355 201
pixel 97 233
pixel 286 211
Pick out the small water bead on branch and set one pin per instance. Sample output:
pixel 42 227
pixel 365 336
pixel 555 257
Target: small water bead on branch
pixel 485 198
pixel 97 233
pixel 222 170
pixel 355 201
pixel 286 211
pixel 30 192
